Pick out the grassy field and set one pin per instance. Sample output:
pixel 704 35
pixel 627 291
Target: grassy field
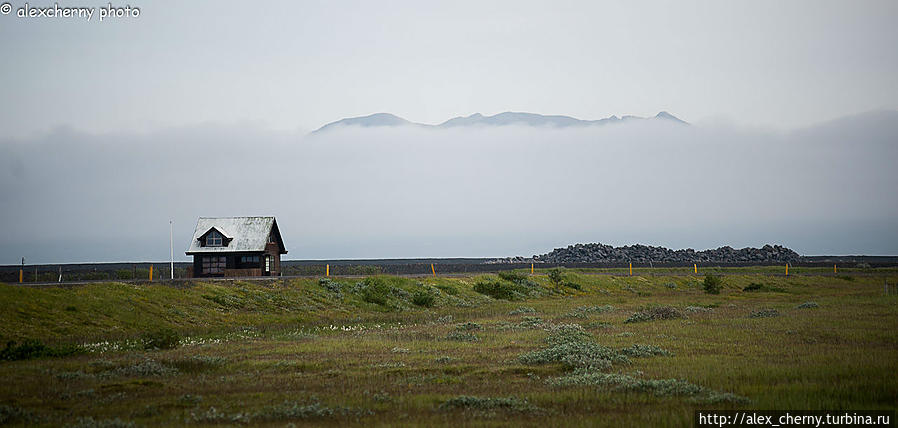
pixel 585 350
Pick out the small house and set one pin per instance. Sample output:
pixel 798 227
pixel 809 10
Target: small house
pixel 236 246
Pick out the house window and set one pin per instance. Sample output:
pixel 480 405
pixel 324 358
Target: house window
pixel 214 264
pixel 267 263
pixel 213 239
pixel 249 259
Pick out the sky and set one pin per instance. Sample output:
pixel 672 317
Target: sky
pixel 296 65
pixel 110 129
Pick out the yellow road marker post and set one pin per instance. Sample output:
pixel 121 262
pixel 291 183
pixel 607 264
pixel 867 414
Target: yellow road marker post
pixel 631 268
pixel 327 270
pixel 787 269
pixel 21 275
pixel 151 273
pixel 834 270
pixel 695 268
pixel 433 270
pixel 531 268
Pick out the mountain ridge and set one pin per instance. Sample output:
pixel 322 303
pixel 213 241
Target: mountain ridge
pixel 500 119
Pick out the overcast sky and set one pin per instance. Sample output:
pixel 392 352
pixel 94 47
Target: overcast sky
pixel 109 129
pixel 291 65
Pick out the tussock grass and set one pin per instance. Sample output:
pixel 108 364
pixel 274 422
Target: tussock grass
pixel 14 414
pixel 656 387
pixel 764 313
pixel 462 336
pixel 468 326
pixel 586 311
pixel 654 313
pixel 89 422
pixel 509 404
pixel 523 310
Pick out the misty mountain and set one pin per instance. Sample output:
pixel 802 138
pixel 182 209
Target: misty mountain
pixel 376 119
pixel 501 119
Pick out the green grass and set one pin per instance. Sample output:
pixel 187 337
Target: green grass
pixel 320 353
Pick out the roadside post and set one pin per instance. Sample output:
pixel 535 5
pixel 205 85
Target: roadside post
pixel 151 273
pixel 631 268
pixel 327 270
pixel 433 270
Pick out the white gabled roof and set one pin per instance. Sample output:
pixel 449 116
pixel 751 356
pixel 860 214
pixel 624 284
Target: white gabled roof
pixel 243 233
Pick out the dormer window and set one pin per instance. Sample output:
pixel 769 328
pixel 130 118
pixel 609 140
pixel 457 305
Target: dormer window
pixel 214 239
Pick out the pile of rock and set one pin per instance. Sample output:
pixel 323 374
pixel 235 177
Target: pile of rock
pixel 600 253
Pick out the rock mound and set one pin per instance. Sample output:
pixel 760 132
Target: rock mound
pixel 601 253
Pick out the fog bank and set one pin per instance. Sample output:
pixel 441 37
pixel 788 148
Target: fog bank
pixel 70 196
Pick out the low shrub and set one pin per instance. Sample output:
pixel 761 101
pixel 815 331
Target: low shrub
pixel 712 284
pixel 423 299
pixel 496 290
pixel 512 276
pixel 808 305
pixel 571 345
pixel 576 354
pixel 468 326
pixel 566 333
pixel 448 289
pixel 374 290
pixel 753 287
pixel 163 338
pixel 330 285
pixel 30 348
pixel 655 313
pixel 188 400
pixel 527 323
pixel 556 276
